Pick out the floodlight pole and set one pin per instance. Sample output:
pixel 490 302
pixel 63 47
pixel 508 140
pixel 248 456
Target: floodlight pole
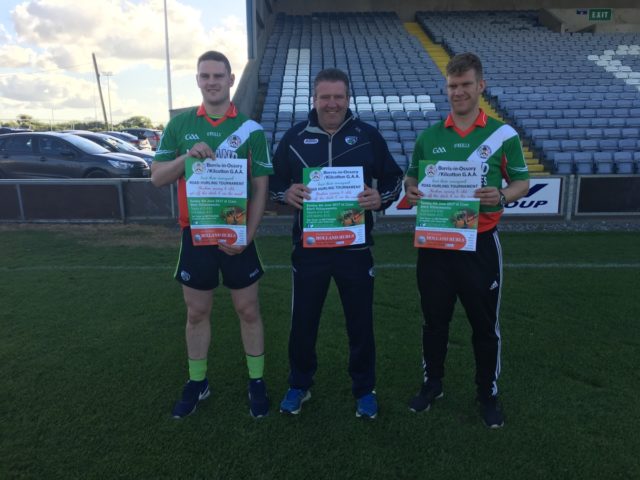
pixel 104 110
pixel 166 41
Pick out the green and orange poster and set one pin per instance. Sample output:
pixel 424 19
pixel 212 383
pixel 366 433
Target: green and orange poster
pixel 217 200
pixel 447 216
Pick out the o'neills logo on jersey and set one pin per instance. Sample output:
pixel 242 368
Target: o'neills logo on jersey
pixel 191 136
pixel 310 141
pixel 461 145
pixel 351 140
pixel 235 141
pixel 484 151
pixel 222 153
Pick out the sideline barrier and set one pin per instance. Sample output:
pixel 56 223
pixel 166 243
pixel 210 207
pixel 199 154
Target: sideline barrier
pixel 137 200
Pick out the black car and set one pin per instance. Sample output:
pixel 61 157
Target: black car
pixel 114 144
pixel 63 155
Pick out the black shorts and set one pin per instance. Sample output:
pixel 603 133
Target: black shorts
pixel 199 267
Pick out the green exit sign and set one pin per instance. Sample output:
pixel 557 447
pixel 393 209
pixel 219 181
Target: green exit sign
pixel 600 14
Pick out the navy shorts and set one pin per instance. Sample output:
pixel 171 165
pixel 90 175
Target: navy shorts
pixel 200 267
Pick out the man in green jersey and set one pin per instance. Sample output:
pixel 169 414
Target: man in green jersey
pixel 475 277
pixel 216 130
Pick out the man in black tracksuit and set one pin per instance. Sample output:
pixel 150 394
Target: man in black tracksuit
pixel 333 137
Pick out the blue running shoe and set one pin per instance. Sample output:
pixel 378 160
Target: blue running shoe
pixel 293 400
pixel 258 399
pixel 192 393
pixel 367 406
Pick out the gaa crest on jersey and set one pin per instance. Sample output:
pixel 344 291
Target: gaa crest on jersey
pixel 235 141
pixel 351 140
pixel 484 151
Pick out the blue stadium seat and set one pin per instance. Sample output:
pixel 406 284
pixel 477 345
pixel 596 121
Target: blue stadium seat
pixel 577 133
pixel 589 145
pixel 624 162
pixel 608 145
pixel 603 162
pixel 583 162
pixel 563 162
pixel 569 145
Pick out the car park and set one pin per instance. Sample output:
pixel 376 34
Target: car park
pixel 139 143
pixel 150 134
pixel 64 155
pixel 114 144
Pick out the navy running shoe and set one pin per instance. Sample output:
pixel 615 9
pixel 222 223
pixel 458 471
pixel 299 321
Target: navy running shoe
pixel 258 398
pixel 429 393
pixel 491 412
pixel 367 406
pixel 293 400
pixel 192 393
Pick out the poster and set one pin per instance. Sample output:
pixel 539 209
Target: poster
pixel 217 200
pixel 447 215
pixel 332 216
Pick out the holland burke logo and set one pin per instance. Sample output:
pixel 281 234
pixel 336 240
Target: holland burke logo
pixel 351 140
pixel 191 136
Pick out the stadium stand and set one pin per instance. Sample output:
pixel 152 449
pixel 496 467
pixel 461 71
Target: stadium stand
pixel 574 97
pixel 577 109
pixel 391 74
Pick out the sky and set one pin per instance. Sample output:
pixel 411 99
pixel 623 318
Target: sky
pixel 47 71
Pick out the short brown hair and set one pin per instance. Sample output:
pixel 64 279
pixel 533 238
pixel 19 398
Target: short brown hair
pixel 216 57
pixel 331 75
pixel 463 62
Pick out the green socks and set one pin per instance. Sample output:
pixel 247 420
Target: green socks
pixel 255 365
pixel 197 369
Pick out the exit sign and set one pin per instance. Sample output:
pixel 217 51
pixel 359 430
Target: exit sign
pixel 600 14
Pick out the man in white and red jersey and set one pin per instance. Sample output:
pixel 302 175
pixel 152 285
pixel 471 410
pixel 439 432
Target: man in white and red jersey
pixel 217 130
pixel 475 277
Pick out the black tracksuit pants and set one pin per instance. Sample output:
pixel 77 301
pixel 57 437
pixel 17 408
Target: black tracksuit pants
pixel 352 270
pixel 476 279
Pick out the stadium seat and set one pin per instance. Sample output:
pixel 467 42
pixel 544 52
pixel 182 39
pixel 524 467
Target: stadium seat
pixel 563 162
pixel 624 162
pixel 583 162
pixel 603 162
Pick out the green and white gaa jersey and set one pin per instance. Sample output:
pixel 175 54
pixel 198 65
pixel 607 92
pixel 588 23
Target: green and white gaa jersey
pixel 493 143
pixel 233 136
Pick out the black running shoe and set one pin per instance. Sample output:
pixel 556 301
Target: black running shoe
pixel 429 393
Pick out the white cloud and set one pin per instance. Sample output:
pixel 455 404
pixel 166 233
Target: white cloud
pixel 5 37
pixel 54 40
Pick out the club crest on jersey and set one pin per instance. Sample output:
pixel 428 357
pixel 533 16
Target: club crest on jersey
pixel 234 141
pixel 310 141
pixel 484 151
pixel 351 140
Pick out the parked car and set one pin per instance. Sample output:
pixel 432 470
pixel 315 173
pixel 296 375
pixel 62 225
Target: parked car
pixel 114 144
pixel 63 155
pixel 139 143
pixel 150 134
pixel 4 130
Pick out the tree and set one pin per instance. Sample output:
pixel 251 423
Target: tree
pixel 136 121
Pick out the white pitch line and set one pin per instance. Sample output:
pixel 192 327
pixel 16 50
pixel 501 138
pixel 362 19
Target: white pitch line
pixel 382 266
